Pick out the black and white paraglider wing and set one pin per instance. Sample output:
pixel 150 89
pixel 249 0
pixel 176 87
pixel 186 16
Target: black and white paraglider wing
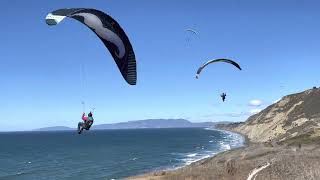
pixel 110 33
pixel 215 61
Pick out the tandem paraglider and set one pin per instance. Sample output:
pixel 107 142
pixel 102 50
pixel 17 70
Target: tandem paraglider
pixel 110 33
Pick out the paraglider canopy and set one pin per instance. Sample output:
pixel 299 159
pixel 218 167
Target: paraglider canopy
pixel 192 31
pixel 109 32
pixel 191 34
pixel 215 61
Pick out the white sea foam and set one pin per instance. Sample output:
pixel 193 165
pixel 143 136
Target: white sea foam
pixel 188 161
pixel 225 147
pixel 233 139
pixel 229 140
pixel 192 155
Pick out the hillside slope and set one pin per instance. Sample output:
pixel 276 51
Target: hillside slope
pixel 293 117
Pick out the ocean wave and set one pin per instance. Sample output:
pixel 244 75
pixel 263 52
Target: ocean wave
pixel 192 155
pixel 232 139
pixel 224 147
pixel 228 141
pixel 188 161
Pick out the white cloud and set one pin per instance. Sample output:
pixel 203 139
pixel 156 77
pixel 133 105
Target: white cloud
pixel 255 111
pixel 255 102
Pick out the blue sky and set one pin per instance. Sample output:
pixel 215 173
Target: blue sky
pixel 276 43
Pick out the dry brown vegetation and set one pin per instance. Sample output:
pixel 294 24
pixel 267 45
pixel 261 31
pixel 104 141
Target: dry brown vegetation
pixel 287 162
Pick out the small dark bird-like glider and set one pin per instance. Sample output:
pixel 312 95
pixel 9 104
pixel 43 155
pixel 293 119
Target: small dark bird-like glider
pixel 223 96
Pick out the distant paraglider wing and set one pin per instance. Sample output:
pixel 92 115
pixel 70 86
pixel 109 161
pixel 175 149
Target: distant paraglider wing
pixel 110 33
pixel 192 31
pixel 214 61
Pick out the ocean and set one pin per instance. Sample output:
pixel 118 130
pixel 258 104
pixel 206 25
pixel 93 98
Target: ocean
pixel 107 154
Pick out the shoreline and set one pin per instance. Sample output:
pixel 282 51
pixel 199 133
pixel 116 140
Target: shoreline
pixel 244 143
pixel 263 160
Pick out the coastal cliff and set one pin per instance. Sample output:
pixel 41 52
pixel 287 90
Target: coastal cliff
pixel 294 117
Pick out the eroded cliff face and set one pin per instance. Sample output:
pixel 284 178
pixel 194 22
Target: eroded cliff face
pixel 293 116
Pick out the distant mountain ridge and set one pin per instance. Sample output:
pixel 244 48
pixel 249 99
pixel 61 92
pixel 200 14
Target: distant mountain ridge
pixel 54 128
pixel 140 124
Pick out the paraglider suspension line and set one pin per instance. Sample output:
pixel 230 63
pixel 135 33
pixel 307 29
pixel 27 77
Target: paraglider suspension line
pixel 83 82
